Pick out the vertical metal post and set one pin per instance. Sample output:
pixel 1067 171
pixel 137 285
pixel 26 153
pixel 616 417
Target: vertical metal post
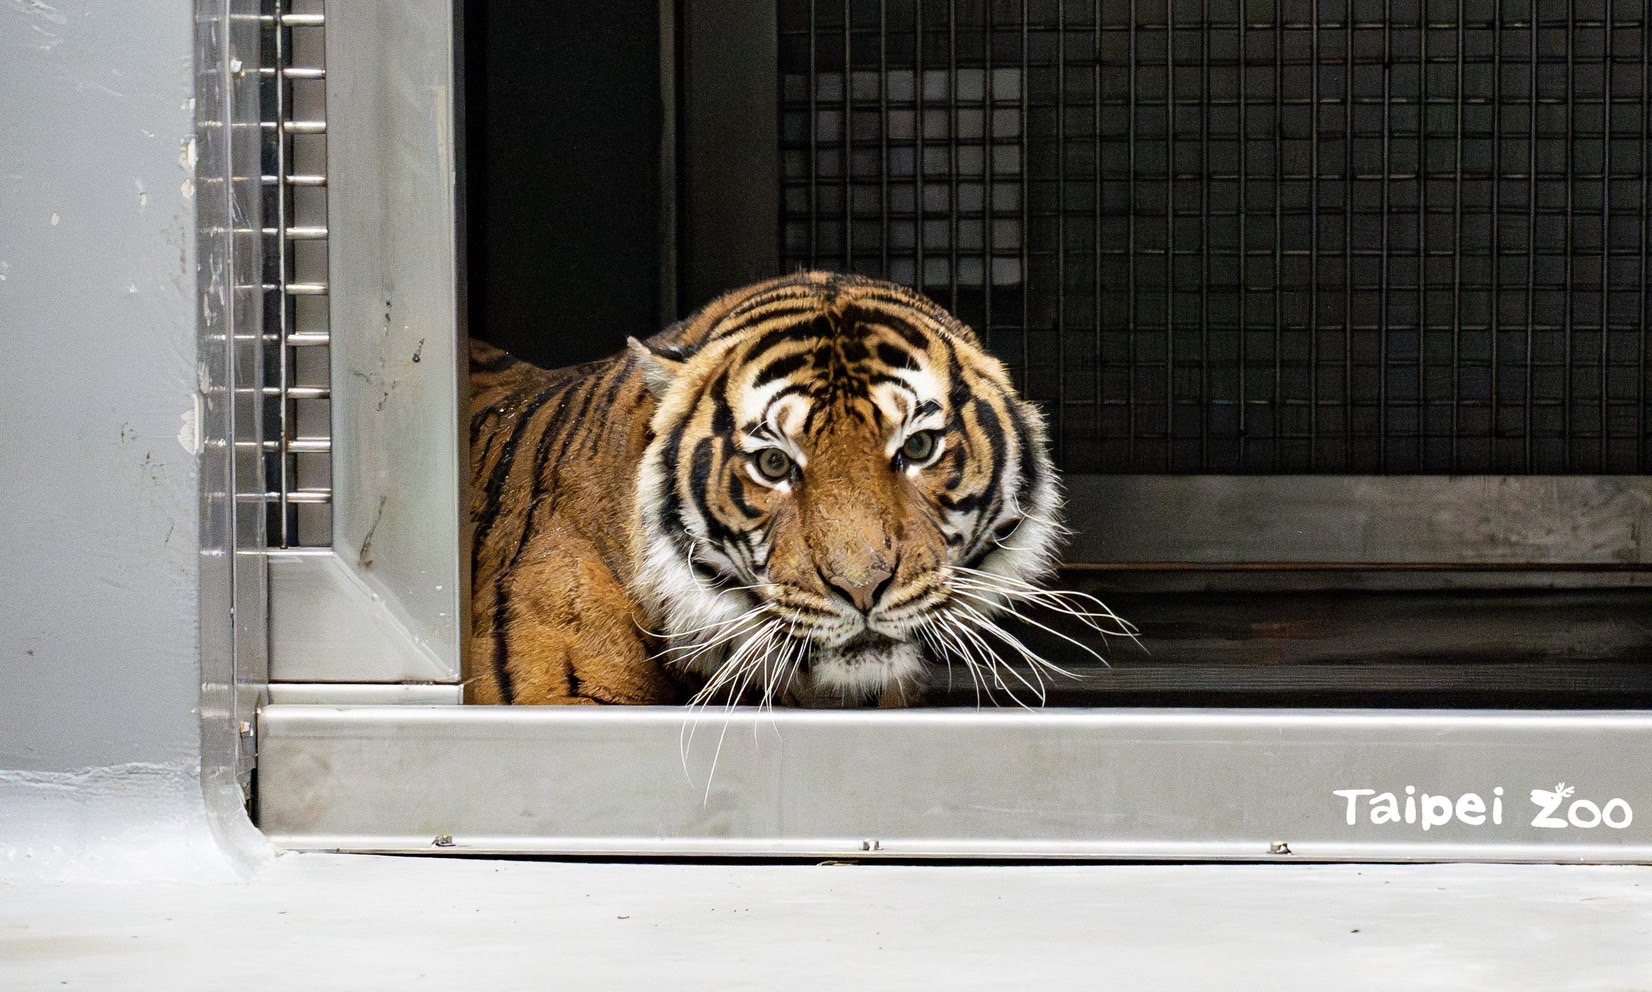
pixel 1387 185
pixel 1205 398
pixel 1605 242
pixel 848 142
pixel 1313 240
pixel 883 135
pixel 1348 238
pixel 1170 228
pixel 1566 418
pixel 814 139
pixel 1643 439
pixel 1130 246
pixel 282 232
pixel 1531 236
pixel 1025 188
pixel 1456 320
pixel 1060 224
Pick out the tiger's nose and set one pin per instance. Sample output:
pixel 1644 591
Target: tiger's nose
pixel 864 594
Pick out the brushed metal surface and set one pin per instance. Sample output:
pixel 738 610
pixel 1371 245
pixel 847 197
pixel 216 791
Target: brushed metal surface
pixel 328 623
pixel 1177 784
pixel 397 440
pixel 365 694
pixel 233 631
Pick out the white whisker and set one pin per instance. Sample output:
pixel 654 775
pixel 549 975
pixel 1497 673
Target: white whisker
pixel 1012 611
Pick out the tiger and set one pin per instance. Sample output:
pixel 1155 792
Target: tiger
pixel 816 491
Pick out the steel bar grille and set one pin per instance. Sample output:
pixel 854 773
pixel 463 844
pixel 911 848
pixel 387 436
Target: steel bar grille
pixel 1254 236
pixel 297 444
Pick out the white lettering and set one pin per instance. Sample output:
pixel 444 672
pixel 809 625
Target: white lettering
pixel 1471 809
pixel 1556 808
pixel 1590 820
pixel 1352 795
pixel 1385 809
pixel 1617 804
pixel 1436 811
pixel 1547 802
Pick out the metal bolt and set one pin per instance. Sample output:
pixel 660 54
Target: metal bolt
pixel 1279 848
pixel 443 840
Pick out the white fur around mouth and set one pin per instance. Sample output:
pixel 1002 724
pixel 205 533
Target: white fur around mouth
pixel 860 671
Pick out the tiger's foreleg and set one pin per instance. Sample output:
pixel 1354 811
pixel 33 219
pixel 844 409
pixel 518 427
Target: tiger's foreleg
pixel 573 635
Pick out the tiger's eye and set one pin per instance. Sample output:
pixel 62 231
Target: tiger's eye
pixel 920 446
pixel 773 464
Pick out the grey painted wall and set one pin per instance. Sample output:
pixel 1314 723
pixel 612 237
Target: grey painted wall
pixel 98 497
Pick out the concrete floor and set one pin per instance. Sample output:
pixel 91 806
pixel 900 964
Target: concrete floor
pixel 315 921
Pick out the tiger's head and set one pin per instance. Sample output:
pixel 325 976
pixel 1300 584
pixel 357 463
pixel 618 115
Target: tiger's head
pixel 839 484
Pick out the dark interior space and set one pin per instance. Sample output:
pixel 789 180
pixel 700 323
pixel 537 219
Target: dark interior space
pixel 563 125
pixel 1214 238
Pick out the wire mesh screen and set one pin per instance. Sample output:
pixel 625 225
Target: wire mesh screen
pixel 1254 236
pixel 297 335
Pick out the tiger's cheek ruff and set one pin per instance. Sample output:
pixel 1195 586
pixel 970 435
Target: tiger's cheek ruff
pixel 674 596
pixel 1029 498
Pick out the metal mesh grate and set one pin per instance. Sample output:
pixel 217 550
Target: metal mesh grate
pixel 297 444
pixel 1258 236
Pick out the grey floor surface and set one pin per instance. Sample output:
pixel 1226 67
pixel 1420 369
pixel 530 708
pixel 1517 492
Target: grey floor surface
pixel 315 921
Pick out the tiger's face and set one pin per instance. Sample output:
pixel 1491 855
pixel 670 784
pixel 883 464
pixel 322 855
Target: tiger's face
pixel 837 477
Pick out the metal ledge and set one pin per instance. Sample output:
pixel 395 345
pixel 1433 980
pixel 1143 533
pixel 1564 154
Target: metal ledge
pixel 1526 522
pixel 1124 783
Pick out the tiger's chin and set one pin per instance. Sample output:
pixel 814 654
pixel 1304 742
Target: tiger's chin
pixel 868 669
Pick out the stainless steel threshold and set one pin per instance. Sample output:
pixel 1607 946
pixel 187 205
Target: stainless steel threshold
pixel 951 783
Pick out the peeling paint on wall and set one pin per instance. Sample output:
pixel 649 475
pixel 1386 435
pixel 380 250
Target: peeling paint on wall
pixel 189 433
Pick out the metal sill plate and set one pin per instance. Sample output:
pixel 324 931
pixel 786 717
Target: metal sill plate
pixel 1189 784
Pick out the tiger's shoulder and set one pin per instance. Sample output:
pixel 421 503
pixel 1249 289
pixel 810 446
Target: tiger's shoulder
pixel 497 377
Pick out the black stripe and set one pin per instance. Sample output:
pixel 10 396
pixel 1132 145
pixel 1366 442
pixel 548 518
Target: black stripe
pixel 489 446
pixel 780 368
pixel 1031 474
pixel 494 492
pixel 958 393
pixel 557 432
pixel 896 358
pixel 501 671
pixel 746 310
pixel 699 479
pixel 890 380
pixel 500 363
pixel 622 374
pixel 543 499
pixel 908 332
pixel 722 414
pixel 785 391
pixel 670 514
pixel 992 429
pixel 737 494
pixel 955 456
pixel 569 430
pixel 800 331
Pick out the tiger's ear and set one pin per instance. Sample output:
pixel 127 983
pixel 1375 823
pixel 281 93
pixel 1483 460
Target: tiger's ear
pixel 660 366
